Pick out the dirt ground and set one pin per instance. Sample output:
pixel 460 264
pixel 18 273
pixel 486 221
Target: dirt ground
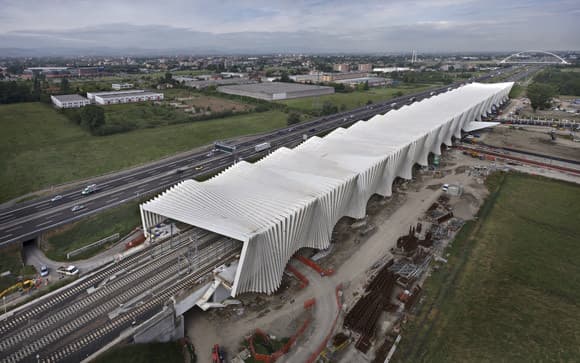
pixel 534 139
pixel 352 257
pixel 563 109
pixel 201 103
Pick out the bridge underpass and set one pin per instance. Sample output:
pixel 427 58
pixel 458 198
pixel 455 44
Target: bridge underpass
pixel 74 322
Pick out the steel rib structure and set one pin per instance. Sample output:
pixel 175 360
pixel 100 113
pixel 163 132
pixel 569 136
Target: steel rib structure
pixel 293 197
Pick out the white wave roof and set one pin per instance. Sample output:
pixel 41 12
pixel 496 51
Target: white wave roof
pixel 293 197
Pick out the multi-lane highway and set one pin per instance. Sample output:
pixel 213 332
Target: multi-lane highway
pixel 27 220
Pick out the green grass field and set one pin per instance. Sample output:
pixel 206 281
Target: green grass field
pixel 39 147
pixel 143 353
pixel 510 290
pixel 353 99
pixel 121 219
pixel 144 115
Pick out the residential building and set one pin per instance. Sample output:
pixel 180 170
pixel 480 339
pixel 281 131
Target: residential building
pixel 366 67
pixel 343 67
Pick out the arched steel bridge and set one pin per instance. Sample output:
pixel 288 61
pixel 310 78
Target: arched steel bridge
pixel 508 60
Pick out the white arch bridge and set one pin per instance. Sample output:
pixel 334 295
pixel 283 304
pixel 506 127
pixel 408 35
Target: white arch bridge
pixel 557 60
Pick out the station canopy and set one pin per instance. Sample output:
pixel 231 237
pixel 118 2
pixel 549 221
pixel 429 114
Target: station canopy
pixel 293 198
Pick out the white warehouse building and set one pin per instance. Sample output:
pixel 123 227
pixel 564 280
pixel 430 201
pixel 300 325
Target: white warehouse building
pixel 69 101
pixel 294 197
pixel 114 97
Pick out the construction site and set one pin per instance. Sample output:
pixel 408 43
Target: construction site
pixel 379 263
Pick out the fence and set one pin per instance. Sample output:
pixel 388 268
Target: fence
pixel 78 251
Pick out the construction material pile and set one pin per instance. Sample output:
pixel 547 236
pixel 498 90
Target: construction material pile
pixel 363 316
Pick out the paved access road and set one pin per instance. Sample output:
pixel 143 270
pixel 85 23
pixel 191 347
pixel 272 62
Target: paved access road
pixel 28 220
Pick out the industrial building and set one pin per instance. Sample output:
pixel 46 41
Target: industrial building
pixel 69 101
pixel 124 96
pixel 127 97
pixel 391 69
pixel 273 91
pixel 293 198
pixel 332 77
pixel 372 81
pixel 120 86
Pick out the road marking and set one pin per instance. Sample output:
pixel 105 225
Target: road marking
pixel 6 235
pixel 112 199
pixel 43 223
pixel 14 227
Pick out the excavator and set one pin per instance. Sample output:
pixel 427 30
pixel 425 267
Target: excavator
pixel 25 285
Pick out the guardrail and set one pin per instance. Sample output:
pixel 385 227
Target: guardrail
pixel 78 251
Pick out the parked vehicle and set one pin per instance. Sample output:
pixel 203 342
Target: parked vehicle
pixel 44 271
pixel 89 189
pixel 69 270
pixel 263 146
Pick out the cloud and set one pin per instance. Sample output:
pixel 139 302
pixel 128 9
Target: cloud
pixel 307 25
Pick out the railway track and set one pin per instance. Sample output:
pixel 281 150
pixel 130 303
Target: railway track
pixel 129 283
pixel 80 348
pixel 21 318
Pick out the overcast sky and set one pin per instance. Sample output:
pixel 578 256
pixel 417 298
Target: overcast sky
pixel 293 25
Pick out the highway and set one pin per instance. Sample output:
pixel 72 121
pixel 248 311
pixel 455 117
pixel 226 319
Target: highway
pixel 27 220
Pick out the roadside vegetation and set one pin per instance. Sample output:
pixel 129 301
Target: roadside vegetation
pixel 122 219
pixel 509 291
pixel 40 147
pixel 565 82
pixel 11 260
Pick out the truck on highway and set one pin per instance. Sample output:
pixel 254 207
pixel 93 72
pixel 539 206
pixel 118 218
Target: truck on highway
pixel 69 270
pixel 89 189
pixel 263 146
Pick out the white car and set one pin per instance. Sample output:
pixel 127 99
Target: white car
pixel 43 271
pixel 445 187
pixel 56 198
pixel 77 207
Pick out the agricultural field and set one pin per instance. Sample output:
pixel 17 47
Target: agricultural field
pixel 509 292
pixel 353 99
pixel 40 147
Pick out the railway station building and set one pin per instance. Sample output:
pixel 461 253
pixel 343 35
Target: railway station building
pixel 293 198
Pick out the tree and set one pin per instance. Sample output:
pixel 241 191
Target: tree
pixel 366 86
pixel 293 118
pixel 92 118
pixel 369 102
pixel 328 108
pixel 64 85
pixel 168 77
pixel 343 107
pixel 398 94
pixel 540 95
